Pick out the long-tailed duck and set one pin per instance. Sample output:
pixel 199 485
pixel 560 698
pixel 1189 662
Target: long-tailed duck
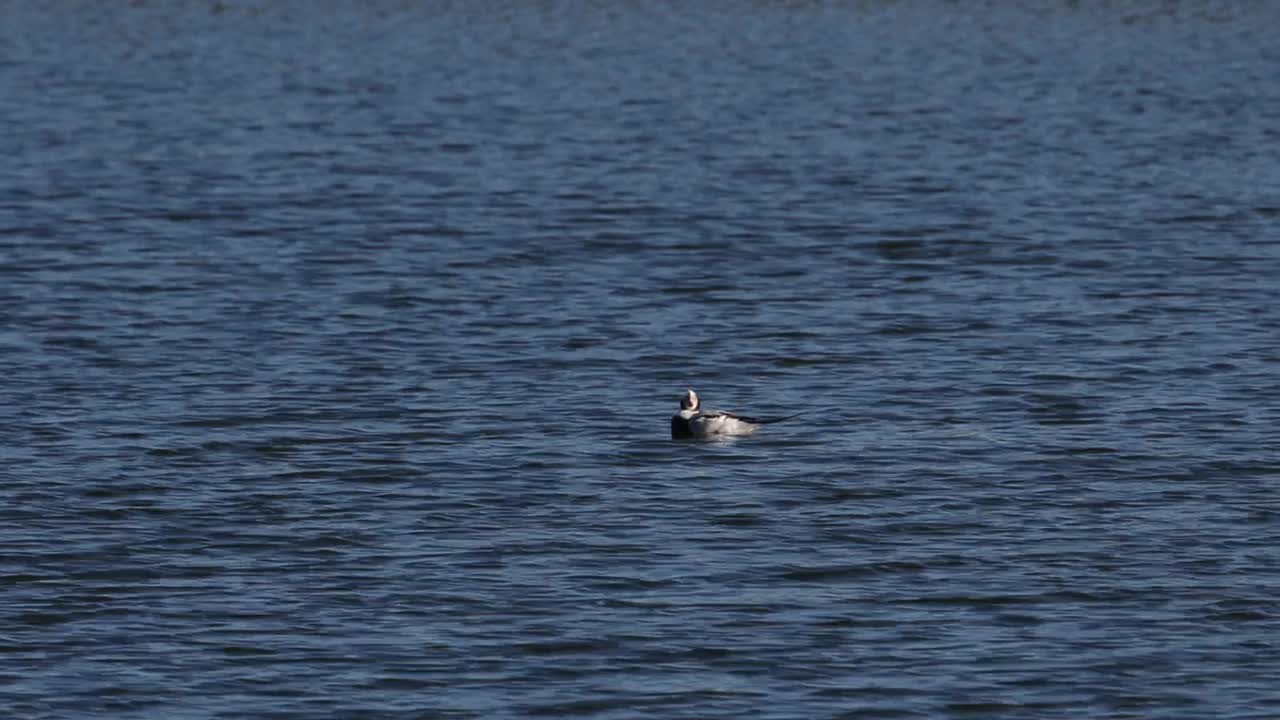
pixel 693 422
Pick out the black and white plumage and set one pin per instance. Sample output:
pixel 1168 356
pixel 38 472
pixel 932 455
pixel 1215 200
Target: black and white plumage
pixel 693 422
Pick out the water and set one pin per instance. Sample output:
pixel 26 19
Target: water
pixel 339 344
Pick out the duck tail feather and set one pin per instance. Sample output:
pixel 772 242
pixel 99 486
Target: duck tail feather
pixel 766 421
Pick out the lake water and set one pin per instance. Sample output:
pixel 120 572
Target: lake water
pixel 339 343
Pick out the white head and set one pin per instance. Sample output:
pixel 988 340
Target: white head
pixel 689 401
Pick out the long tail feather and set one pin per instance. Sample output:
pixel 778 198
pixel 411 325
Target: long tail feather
pixel 766 421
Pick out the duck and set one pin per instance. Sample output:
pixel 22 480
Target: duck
pixel 692 422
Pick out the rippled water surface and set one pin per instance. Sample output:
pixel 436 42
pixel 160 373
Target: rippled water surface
pixel 339 342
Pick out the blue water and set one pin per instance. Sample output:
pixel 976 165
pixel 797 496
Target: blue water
pixel 338 343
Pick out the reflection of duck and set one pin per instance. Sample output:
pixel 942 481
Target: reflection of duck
pixel 692 422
